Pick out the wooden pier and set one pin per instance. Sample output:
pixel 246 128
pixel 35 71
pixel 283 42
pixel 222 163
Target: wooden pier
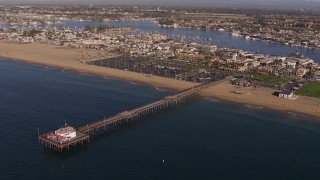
pixel 84 132
pixel 59 146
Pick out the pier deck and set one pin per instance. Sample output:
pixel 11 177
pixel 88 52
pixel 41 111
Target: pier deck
pixel 84 132
pixel 61 145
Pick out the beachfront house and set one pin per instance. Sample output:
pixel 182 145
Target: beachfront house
pixel 288 94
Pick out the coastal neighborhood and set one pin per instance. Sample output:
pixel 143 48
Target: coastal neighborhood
pixel 156 54
pixel 292 29
pixel 121 41
pixel 179 57
pixel 166 89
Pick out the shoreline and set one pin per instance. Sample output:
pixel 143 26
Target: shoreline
pixel 306 106
pixel 111 75
pixel 68 59
pixel 257 107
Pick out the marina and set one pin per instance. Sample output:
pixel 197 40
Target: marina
pixel 218 37
pixel 159 92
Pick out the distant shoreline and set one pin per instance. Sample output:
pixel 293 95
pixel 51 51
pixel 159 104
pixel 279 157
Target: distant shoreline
pixel 72 59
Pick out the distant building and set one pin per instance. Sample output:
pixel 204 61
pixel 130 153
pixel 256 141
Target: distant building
pixel 264 69
pixel 154 37
pixel 301 72
pixel 317 75
pixel 93 42
pixel 291 63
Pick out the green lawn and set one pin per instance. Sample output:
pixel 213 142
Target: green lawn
pixel 311 89
pixel 270 79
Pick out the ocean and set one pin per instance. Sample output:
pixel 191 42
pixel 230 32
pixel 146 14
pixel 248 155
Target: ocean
pixel 203 139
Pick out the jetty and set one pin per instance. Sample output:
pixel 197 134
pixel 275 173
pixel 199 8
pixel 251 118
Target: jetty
pixel 57 141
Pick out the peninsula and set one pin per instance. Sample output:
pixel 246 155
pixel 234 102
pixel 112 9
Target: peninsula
pixel 76 59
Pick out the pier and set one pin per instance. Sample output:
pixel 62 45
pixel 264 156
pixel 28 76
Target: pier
pixel 83 133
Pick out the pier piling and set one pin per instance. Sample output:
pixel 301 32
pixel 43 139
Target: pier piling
pixel 83 133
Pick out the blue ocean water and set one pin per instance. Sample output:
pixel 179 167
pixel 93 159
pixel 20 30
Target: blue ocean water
pixel 203 139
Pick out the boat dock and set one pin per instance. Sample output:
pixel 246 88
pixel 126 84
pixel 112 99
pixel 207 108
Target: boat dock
pixel 83 133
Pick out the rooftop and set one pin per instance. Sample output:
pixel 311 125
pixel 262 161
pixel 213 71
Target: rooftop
pixel 286 92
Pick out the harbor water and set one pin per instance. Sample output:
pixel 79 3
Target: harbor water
pixel 203 139
pixel 210 37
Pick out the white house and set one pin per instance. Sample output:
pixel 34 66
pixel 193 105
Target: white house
pixel 286 94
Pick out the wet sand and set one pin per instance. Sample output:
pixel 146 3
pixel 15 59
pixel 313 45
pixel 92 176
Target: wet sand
pixel 74 59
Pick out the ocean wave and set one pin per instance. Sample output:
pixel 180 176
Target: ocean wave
pixel 292 114
pixel 160 89
pixel 214 100
pixel 131 82
pixel 109 78
pixel 253 106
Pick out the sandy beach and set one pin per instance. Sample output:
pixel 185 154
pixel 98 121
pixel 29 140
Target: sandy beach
pixel 74 59
pixel 263 97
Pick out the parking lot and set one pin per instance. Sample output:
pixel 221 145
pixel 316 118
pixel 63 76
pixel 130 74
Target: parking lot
pixel 181 70
pixel 294 85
